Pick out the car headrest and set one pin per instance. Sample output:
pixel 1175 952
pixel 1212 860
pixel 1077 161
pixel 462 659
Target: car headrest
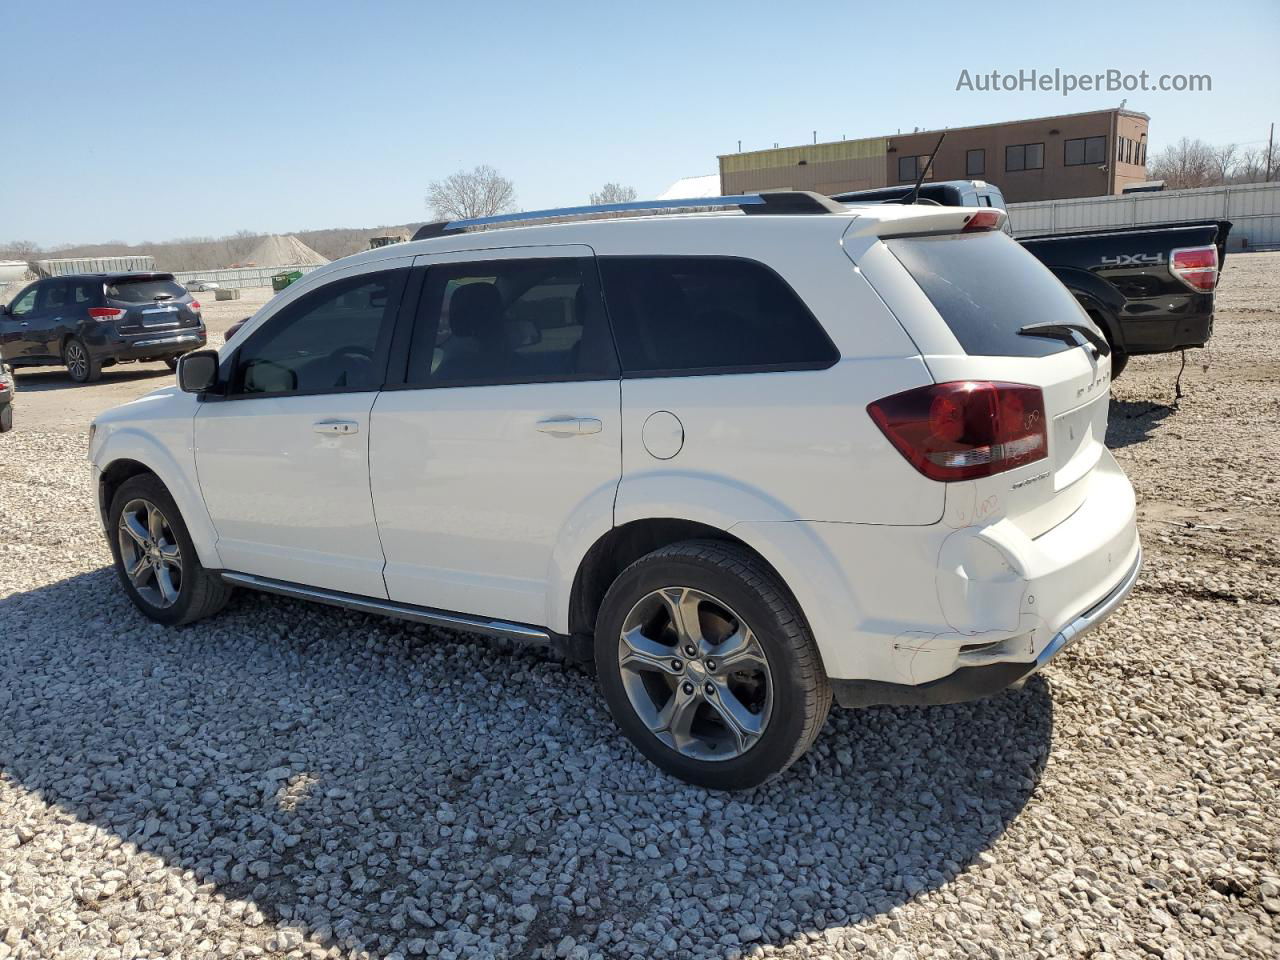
pixel 475 310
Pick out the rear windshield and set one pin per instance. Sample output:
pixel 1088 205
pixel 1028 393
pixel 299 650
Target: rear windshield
pixel 145 290
pixel 987 287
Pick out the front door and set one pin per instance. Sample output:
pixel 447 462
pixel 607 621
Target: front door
pixel 283 460
pixel 506 431
pixel 20 325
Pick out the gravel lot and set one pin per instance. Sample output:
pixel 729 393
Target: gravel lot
pixel 290 780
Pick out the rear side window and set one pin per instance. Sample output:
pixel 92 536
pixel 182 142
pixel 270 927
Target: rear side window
pixel 691 315
pixel 510 321
pixel 986 288
pixel 145 289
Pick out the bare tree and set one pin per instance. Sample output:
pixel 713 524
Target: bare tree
pixel 19 250
pixel 1187 163
pixel 1225 160
pixel 614 193
pixel 482 192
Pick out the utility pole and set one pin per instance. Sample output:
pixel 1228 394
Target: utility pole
pixel 1270 139
pixel 815 136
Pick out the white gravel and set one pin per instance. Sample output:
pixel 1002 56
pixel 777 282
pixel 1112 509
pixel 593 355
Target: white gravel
pixel 290 780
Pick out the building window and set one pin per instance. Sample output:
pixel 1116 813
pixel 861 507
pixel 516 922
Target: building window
pixel 907 169
pixel 1024 156
pixel 1087 150
pixel 975 162
pixel 1142 152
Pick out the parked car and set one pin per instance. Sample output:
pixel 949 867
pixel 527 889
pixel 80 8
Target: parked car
pixel 7 388
pixel 747 477
pixel 1150 289
pixel 202 286
pixel 94 320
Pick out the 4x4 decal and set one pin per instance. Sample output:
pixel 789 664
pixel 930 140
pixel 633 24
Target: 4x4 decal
pixel 1135 259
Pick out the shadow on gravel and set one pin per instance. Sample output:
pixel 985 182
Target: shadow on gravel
pixel 392 788
pixel 39 379
pixel 1130 422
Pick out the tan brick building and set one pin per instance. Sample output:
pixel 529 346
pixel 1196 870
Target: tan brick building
pixel 1046 158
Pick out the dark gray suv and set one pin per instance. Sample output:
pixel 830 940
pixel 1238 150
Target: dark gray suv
pixel 93 320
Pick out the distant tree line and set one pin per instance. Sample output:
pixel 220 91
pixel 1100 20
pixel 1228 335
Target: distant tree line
pixel 480 192
pixel 1194 163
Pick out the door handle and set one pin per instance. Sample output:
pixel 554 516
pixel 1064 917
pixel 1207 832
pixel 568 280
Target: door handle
pixel 336 426
pixel 570 426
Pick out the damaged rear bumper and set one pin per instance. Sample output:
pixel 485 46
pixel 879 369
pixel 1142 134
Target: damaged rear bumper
pixel 972 683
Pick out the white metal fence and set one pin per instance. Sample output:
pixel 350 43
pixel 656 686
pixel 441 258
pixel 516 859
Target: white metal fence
pixel 1252 208
pixel 238 277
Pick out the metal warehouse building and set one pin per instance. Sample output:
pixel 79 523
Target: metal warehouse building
pixel 1046 158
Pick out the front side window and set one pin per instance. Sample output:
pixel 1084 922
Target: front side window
pixel 25 302
pixel 684 315
pixel 975 162
pixel 511 321
pixel 333 339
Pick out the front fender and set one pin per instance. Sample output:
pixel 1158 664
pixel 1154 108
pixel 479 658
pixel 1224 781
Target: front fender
pixel 176 471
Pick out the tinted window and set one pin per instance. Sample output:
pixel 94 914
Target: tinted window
pixel 145 290
pixel 1073 152
pixel 53 296
pixel 86 292
pixel 907 168
pixel 1095 150
pixel 986 287
pixel 704 314
pixel 332 339
pixel 1024 156
pixel 975 162
pixel 511 321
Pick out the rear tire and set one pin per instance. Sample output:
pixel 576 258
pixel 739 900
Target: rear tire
pixel 6 418
pixel 171 363
pixel 82 365
pixel 746 717
pixel 152 549
pixel 1119 361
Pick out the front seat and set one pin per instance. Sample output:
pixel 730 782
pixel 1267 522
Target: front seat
pixel 476 318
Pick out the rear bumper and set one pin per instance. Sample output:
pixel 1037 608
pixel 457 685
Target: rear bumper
pixel 1166 335
pixel 973 683
pixel 146 346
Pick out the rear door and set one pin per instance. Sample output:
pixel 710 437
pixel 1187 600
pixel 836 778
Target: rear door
pixel 505 433
pixel 972 295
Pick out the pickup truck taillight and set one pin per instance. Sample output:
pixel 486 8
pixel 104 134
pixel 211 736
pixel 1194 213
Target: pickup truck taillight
pixel 965 429
pixel 106 313
pixel 1197 267
pixel 982 220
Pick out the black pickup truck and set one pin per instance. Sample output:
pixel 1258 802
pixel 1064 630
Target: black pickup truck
pixel 1149 289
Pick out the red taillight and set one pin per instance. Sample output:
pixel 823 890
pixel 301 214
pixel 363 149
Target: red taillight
pixel 1197 267
pixel 106 313
pixel 195 304
pixel 982 220
pixel 965 429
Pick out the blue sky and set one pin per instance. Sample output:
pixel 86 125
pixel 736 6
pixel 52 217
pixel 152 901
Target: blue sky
pixel 148 121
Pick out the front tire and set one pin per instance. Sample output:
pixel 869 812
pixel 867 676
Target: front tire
pixel 82 365
pixel 6 418
pixel 708 666
pixel 155 558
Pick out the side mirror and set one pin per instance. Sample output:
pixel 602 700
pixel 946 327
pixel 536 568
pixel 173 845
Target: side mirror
pixel 198 371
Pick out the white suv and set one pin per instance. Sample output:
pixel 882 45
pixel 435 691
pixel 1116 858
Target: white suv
pixel 754 463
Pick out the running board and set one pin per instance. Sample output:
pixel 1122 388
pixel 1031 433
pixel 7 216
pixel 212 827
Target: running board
pixel 389 608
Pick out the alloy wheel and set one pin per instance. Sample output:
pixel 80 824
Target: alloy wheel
pixel 150 553
pixel 695 673
pixel 77 361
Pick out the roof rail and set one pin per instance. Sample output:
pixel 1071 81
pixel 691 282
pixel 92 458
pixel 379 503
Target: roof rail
pixel 767 202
